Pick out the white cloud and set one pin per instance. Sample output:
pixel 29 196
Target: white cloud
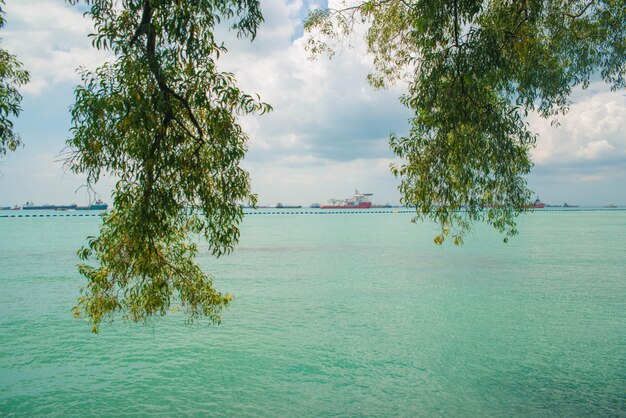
pixel 593 130
pixel 328 132
pixel 595 149
pixel 45 180
pixel 50 38
pixel 590 178
pixel 307 180
pixel 583 160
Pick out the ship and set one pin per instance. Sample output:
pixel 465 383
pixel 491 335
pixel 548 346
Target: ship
pixel 97 205
pixel 357 201
pixel 567 205
pixel 281 206
pixel 32 206
pixel 537 204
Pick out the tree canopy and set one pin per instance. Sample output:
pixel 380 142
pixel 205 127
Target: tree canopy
pixel 162 120
pixel 12 76
pixel 474 70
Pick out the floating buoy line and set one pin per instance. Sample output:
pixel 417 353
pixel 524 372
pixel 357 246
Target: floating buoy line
pixel 311 212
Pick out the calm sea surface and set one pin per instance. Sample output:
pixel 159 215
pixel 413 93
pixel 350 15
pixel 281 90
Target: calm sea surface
pixel 334 315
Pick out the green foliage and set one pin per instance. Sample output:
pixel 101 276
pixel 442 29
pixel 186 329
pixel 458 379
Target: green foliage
pixel 12 76
pixel 162 120
pixel 474 71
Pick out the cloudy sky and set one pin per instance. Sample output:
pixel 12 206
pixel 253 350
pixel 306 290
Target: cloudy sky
pixel 326 136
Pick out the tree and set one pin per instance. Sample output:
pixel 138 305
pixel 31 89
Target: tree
pixel 161 119
pixel 475 70
pixel 12 76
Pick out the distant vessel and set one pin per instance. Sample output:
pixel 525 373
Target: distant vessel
pixel 281 206
pixel 97 205
pixel 358 201
pixel 537 204
pixel 315 205
pixel 566 205
pixel 32 206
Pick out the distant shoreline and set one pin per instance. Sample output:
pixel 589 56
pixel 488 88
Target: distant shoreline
pixel 44 213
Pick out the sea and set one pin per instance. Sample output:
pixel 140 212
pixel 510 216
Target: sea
pixel 334 314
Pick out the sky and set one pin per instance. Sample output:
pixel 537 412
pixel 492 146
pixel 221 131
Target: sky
pixel 328 132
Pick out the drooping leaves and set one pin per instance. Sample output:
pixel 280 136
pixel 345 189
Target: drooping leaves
pixel 474 71
pixel 12 77
pixel 162 120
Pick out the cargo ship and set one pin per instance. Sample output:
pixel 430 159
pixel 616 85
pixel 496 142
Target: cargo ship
pixel 537 204
pixel 97 205
pixel 357 201
pixel 32 206
pixel 281 206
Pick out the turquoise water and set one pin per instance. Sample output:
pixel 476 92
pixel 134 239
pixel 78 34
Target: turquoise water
pixel 334 315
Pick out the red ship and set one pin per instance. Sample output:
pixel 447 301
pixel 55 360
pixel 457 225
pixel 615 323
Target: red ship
pixel 538 204
pixel 358 201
